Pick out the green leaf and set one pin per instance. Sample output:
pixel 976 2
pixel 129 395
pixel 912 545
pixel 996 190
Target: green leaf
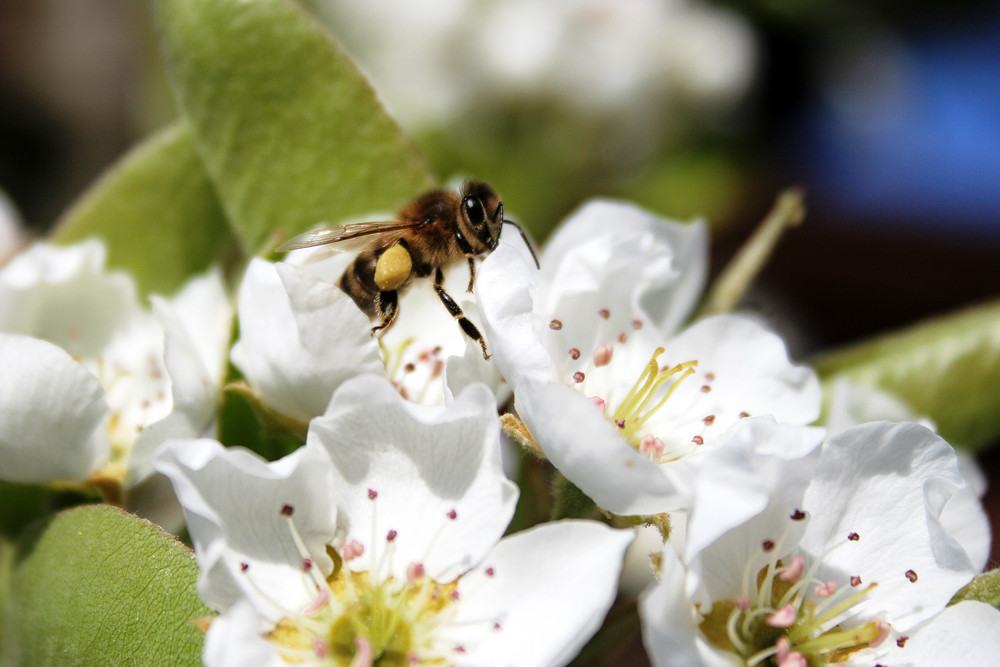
pixel 99 586
pixel 947 369
pixel 984 588
pixel 156 211
pixel 288 128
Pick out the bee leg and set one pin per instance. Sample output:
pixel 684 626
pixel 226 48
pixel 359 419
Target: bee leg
pixel 467 326
pixel 472 273
pixel 387 310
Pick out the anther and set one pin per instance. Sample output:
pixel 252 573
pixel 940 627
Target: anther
pixel 901 641
pixel 414 571
pixel 555 325
pixel 651 447
pixel 579 377
pixel 574 353
pixel 623 337
pixel 855 580
pixel 853 537
pixel 783 618
pixel 698 440
pixel 705 389
pixel 797 515
pixel 767 545
pixel 794 571
pixel 452 514
pixel 391 536
pixel 372 494
pixel 489 572
pixel 709 420
pixel 604 313
pixel 636 324
pixel 287 510
pixel 603 354
pixel 352 550
pixel 825 590
pixel 911 576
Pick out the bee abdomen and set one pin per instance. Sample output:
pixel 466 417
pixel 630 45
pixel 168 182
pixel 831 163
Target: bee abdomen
pixel 358 282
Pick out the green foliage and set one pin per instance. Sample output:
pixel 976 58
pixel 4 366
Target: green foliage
pixel 947 369
pixel 984 588
pixel 98 586
pixel 156 211
pixel 288 129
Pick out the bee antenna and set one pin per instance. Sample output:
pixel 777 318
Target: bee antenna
pixel 526 241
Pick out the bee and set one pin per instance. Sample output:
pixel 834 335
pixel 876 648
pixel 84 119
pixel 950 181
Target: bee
pixel 429 234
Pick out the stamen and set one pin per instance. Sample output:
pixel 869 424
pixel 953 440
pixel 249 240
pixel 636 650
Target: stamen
pixel 603 354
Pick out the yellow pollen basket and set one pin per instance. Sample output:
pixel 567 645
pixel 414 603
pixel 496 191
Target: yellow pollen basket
pixel 393 268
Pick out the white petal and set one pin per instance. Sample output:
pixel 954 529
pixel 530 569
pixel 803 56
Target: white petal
pixel 63 295
pixel 888 483
pixel 670 629
pixel 196 325
pixel 423 462
pixel 234 640
pixel 51 414
pixel 659 265
pixel 587 449
pixel 300 337
pixel 550 589
pixel 743 369
pixel 232 501
pixel 964 517
pixel 852 404
pixel 756 464
pixel 505 291
pixel 967 633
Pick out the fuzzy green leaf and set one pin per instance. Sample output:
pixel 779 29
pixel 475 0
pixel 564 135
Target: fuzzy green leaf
pixel 947 369
pixel 156 211
pixel 984 588
pixel 99 586
pixel 288 128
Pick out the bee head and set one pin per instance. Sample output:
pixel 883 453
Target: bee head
pixel 481 213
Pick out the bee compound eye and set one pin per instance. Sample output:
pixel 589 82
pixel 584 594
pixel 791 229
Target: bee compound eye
pixel 474 210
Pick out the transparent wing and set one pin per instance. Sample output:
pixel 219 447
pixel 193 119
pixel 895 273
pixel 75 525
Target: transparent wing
pixel 341 233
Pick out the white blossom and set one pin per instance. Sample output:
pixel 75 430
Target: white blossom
pixel 382 538
pixel 615 393
pixel 847 558
pixel 89 372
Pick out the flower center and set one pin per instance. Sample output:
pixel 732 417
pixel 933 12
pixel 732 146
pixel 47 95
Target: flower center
pixel 362 618
pixel 790 618
pixel 644 399
pixel 414 372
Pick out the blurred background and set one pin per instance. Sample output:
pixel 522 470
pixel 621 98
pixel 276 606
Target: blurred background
pixel 886 113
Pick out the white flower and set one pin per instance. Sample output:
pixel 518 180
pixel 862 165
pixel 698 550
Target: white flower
pixel 301 343
pixel 963 515
pixel 609 388
pixel 847 558
pixel 621 59
pixel 88 371
pixel 967 633
pixel 300 338
pixel 381 539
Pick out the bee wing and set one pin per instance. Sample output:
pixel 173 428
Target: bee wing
pixel 341 233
